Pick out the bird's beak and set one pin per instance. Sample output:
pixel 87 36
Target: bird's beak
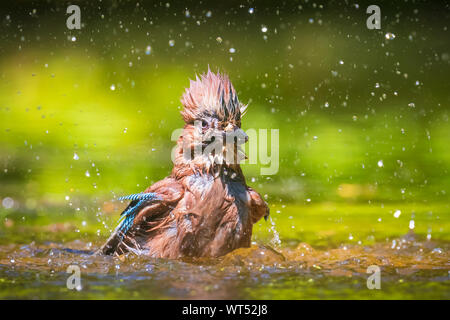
pixel 242 136
pixel 234 134
pixel 234 138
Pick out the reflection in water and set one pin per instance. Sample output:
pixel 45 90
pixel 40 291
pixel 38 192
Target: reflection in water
pixel 39 271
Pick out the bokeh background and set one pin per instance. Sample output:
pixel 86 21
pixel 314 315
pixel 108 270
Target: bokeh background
pixel 87 115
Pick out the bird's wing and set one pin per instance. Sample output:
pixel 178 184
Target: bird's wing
pixel 258 206
pixel 139 201
pixel 156 201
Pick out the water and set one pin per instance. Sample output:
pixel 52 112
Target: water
pixel 39 271
pixel 34 265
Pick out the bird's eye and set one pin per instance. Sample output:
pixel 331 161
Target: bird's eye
pixel 204 124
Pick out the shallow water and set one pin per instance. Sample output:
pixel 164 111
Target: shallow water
pixel 411 267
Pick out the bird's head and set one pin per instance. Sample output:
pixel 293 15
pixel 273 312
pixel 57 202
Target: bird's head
pixel 212 113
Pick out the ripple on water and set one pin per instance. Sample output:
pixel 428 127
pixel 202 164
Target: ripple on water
pixel 242 272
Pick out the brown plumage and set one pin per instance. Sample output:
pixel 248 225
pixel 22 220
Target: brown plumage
pixel 204 208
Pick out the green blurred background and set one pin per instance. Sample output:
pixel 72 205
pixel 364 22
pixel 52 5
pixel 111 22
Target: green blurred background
pixel 363 115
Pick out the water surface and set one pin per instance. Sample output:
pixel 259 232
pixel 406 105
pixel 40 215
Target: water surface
pixel 330 265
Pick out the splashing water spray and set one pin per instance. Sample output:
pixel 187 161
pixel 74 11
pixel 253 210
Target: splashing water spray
pixel 276 242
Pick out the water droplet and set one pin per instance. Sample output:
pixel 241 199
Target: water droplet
pixel 8 203
pixel 73 39
pixel 276 241
pixel 264 29
pixel 148 50
pixel 411 104
pixel 251 10
pixel 171 43
pixel 87 174
pixel 380 163
pixel 232 50
pixel 75 156
pixel 394 243
pixel 411 224
pixel 389 36
pixel 397 213
pixel 112 87
pixel 219 39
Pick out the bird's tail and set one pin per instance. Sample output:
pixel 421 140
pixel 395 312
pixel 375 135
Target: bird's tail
pixel 111 245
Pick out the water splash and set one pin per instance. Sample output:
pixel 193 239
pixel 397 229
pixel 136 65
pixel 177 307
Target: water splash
pixel 276 242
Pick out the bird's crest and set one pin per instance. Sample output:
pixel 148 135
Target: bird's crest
pixel 211 95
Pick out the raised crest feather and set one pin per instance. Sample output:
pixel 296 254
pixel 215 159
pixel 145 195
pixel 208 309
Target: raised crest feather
pixel 211 94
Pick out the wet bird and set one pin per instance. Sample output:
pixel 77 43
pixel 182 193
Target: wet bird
pixel 204 208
